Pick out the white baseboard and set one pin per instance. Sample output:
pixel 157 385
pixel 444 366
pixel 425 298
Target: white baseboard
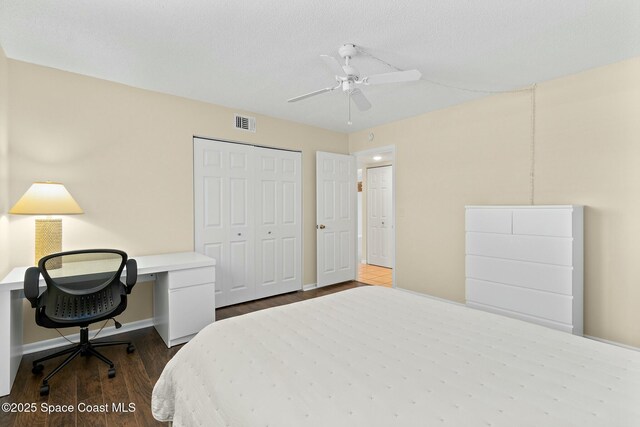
pixel 430 296
pixel 363 261
pixel 107 331
pixel 618 344
pixel 309 286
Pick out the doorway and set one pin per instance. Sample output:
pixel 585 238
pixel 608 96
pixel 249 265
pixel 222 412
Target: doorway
pixel 376 216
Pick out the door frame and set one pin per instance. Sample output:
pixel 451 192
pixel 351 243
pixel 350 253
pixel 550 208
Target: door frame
pixel 385 149
pixel 393 220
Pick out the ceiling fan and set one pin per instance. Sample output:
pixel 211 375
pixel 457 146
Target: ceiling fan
pixel 348 78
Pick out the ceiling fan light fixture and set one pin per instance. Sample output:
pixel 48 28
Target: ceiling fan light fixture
pixel 347 77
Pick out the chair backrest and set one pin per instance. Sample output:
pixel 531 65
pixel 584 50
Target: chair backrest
pixel 82 272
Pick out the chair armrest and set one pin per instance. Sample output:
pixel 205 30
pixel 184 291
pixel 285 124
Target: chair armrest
pixel 32 285
pixel 132 274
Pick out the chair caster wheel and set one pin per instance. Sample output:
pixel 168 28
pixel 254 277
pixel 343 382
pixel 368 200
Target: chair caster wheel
pixel 112 372
pixel 37 369
pixel 130 348
pixel 44 390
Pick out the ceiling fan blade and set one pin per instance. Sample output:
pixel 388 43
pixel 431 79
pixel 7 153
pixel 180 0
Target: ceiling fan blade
pixel 360 100
pixel 394 77
pixel 310 94
pixel 333 65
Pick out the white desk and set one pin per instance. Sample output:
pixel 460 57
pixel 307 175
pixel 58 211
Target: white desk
pixel 183 303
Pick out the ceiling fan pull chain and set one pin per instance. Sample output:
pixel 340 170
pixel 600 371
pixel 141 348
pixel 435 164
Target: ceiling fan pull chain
pixel 349 108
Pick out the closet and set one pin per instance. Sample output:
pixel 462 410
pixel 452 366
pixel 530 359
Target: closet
pixel 248 216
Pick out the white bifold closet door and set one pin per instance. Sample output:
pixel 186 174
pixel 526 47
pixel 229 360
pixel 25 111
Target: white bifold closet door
pixel 248 215
pixel 278 214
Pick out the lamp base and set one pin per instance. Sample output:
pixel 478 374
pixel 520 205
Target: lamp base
pixel 48 239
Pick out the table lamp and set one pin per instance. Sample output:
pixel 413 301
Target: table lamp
pixel 47 198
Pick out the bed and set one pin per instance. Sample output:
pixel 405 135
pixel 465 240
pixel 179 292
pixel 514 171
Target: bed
pixel 373 356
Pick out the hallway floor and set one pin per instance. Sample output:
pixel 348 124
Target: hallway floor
pixel 375 275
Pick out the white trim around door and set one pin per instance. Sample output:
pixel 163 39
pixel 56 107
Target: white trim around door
pixel 387 149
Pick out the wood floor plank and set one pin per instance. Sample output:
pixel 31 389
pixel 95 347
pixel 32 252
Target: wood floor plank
pixel 153 353
pixel 114 390
pixel 139 384
pixel 89 393
pixel 28 387
pixel 63 394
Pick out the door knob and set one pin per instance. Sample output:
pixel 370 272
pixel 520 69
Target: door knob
pixel 269 232
pixel 322 227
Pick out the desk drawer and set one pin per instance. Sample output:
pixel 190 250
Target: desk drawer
pixel 193 276
pixel 190 310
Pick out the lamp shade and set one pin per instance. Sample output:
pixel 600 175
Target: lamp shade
pixel 46 198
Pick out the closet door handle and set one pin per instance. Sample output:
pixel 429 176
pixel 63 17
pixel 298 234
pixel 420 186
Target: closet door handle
pixel 269 232
pixel 322 227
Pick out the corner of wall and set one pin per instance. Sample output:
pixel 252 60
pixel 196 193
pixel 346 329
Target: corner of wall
pixel 4 165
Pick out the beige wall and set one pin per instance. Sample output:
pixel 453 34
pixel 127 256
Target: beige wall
pixel 110 142
pixel 126 155
pixel 4 166
pixel 587 152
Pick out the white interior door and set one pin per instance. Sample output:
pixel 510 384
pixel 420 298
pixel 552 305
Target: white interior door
pixel 223 215
pixel 278 222
pixel 379 215
pixel 335 217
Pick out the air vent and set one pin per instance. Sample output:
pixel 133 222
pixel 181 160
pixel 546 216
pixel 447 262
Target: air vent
pixel 245 123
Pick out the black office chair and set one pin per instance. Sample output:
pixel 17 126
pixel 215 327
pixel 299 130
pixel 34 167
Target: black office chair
pixel 83 287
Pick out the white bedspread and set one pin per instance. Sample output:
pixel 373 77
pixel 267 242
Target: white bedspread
pixel 373 356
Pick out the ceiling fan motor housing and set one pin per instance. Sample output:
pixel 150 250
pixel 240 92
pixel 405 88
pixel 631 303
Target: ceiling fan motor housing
pixel 348 85
pixel 348 50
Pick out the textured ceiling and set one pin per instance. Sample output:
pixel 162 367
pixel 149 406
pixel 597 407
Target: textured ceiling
pixel 255 54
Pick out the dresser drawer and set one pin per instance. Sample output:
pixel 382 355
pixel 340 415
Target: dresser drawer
pixel 555 307
pixel 549 250
pixel 488 220
pixel 543 222
pixel 543 277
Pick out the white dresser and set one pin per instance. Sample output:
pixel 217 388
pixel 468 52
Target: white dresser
pixel 526 262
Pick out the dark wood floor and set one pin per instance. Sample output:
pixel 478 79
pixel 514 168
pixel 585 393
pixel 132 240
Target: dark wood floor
pixel 84 382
